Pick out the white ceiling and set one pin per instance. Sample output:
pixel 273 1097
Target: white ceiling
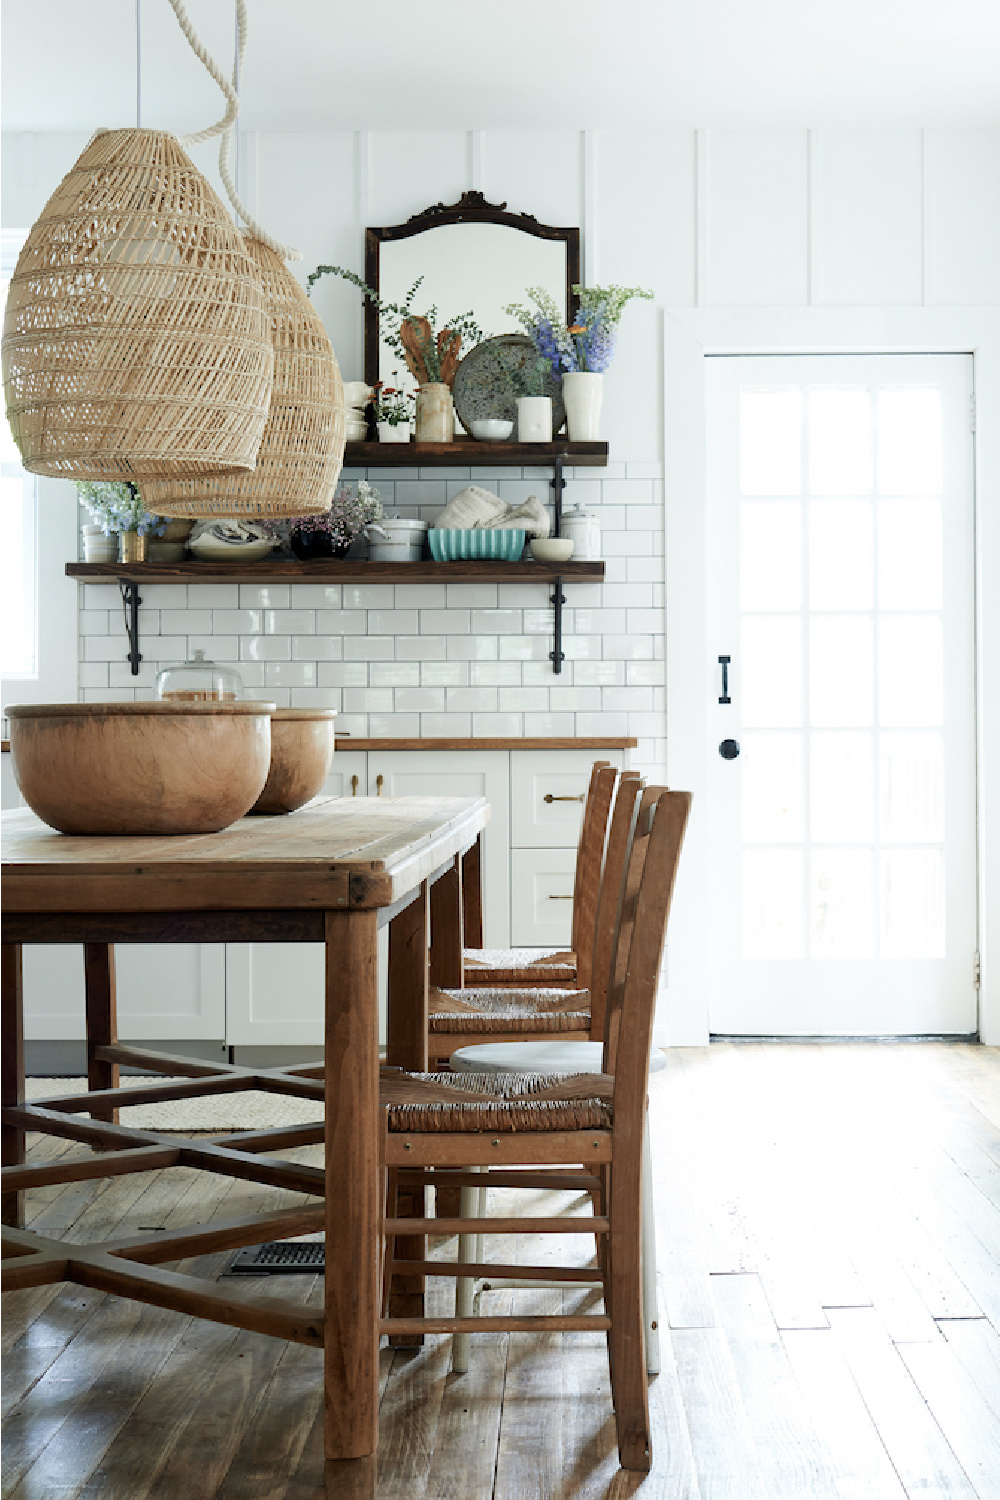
pixel 520 64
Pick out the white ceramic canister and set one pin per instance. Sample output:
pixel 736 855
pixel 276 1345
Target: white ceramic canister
pixel 583 529
pixel 534 419
pixel 403 540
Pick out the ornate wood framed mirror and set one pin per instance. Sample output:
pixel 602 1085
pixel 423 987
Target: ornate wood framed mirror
pixel 474 257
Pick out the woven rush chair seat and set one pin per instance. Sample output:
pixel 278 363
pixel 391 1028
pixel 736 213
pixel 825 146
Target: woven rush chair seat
pixel 520 965
pixel 491 1010
pixel 498 1102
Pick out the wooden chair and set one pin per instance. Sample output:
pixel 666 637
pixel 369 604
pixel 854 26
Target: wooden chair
pixel 557 966
pixel 462 1017
pixel 445 1123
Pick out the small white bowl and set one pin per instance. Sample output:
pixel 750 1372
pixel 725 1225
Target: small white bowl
pixel 492 429
pixel 357 393
pixel 551 549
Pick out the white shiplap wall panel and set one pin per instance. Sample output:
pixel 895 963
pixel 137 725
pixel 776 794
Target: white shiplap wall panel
pixel 756 218
pixel 962 221
pixel 411 170
pixel 867 217
pixel 535 172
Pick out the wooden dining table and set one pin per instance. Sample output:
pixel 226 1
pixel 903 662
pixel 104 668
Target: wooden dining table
pixel 331 873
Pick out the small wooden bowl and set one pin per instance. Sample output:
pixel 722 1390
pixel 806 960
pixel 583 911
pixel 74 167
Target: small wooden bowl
pixel 140 768
pixel 301 757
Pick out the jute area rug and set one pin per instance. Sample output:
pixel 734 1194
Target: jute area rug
pixel 250 1110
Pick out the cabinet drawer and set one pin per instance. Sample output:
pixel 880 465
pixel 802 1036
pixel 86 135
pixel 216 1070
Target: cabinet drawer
pixel 547 791
pixel 541 897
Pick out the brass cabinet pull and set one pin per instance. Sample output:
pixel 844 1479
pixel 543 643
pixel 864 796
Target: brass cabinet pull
pixel 550 798
pixel 354 786
pixel 379 782
pixel 560 898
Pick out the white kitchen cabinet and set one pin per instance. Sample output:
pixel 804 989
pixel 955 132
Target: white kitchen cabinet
pixel 541 897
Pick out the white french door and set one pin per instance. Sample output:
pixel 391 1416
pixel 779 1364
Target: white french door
pixel 842 780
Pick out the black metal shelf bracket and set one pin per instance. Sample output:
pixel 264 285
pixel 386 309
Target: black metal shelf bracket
pixel 130 605
pixel 557 600
pixel 558 484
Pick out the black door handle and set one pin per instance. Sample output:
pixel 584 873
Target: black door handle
pixel 729 749
pixel 724 664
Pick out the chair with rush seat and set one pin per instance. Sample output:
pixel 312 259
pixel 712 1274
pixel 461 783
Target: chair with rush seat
pixel 447 1124
pixel 572 1011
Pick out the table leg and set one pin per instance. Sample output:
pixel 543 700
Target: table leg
pixel 353 1183
pixel 407 1048
pixel 472 894
pixel 447 928
pixel 12 1078
pixel 102 1021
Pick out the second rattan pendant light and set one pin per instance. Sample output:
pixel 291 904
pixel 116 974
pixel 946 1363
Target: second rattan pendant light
pixel 302 449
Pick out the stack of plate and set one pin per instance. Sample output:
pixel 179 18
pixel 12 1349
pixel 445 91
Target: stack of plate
pixel 357 396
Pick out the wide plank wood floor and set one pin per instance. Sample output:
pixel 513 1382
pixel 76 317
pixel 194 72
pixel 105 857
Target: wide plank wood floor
pixel 828 1221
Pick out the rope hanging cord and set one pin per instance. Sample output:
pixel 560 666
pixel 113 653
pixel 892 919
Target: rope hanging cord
pixel 224 126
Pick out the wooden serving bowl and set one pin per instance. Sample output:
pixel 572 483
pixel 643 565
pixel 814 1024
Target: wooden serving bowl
pixel 301 757
pixel 140 768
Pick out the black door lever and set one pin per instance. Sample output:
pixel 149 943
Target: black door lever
pixel 724 664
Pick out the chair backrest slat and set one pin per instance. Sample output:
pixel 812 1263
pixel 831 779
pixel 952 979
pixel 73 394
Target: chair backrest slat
pixel 589 861
pixel 609 901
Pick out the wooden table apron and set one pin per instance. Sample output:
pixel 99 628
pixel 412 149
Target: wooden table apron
pixel 332 872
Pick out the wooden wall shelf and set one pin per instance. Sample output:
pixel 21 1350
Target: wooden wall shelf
pixel 467 453
pixel 336 570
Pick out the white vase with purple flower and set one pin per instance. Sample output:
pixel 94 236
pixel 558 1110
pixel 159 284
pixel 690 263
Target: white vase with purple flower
pixel 579 352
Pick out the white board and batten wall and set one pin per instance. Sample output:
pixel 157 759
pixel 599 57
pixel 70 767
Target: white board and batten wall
pixel 752 241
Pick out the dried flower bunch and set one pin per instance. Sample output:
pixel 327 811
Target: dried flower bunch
pixel 586 345
pixel 429 355
pixel 116 506
pixel 355 507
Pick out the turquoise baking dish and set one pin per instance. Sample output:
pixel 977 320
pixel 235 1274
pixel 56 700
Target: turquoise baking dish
pixel 457 544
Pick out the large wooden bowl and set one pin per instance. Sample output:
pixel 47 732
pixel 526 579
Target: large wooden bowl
pixel 301 757
pixel 140 768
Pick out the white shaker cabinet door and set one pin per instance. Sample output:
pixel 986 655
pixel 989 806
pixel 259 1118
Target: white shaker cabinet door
pixel 547 789
pixel 170 992
pixel 460 773
pixel 542 897
pixel 348 774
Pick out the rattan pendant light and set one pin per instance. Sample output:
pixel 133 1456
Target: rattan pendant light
pixel 137 339
pixel 302 450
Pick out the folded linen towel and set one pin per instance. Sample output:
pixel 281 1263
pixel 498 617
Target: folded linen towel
pixel 476 509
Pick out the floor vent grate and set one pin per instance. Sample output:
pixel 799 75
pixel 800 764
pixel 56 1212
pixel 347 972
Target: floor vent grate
pixel 279 1257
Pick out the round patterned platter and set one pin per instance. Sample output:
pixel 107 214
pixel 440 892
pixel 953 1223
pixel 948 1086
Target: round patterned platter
pixel 482 386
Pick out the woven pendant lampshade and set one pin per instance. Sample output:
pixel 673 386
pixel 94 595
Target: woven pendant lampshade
pixel 136 340
pixel 302 449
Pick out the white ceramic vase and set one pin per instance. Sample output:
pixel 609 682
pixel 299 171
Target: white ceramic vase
pixel 583 392
pixel 435 420
pixel 394 433
pixel 534 419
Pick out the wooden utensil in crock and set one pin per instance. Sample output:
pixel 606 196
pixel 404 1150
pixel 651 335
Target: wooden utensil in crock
pixel 140 768
pixel 301 757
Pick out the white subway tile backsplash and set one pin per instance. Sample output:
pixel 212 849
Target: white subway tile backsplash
pixel 289 621
pixel 644 570
pixel 645 673
pixel 316 595
pixel 601 724
pixel 394 726
pixel 628 647
pixel 369 648
pixel 392 621
pixel 337 622
pixel 577 647
pixel 336 674
pixel 519 700
pixel 472 647
pixel 368 595
pixel 265 648
pixel 102 596
pixel 600 621
pixel 503 726
pixel 237 621
pixel 251 672
pixel 281 697
pixel 481 700
pixel 185 621
pixel 644 621
pixel 421 648
pixel 578 699
pixel 646 723
pixel 316 697
pixel 540 673
pixel 471 595
pixel 93 674
pixel 494 673
pixel 600 673
pixel 353 725
pixel 265 595
pixel 161 595
pixel 496 621
pixel 630 492
pixel 215 647
pixel 394 674
pixel 627 698
pixel 644 518
pixel 545 725
pixel 317 648
pixel 442 726
pixel 444 622
pixel 420 596
pixel 523 647
pixel 628 595
pixel 444 674
pixel 290 674
pixel 94 621
pixel 420 700
pixel 214 595
pixel 368 700
pixel 108 695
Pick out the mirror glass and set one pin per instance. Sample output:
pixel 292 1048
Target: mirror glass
pixel 477 268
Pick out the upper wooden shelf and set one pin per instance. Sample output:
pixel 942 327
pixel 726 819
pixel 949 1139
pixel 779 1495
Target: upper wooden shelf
pixel 467 453
pixel 336 570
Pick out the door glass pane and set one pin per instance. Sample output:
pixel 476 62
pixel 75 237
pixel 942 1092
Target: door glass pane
pixel 771 441
pixel 772 903
pixel 841 788
pixel 841 663
pixel 910 446
pixel 771 788
pixel 911 671
pixel 911 788
pixel 841 917
pixel 912 903
pixel 910 554
pixel 771 671
pixel 771 554
pixel 841 554
pixel 840 441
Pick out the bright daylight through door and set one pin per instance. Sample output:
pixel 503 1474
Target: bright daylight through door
pixel 840 554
